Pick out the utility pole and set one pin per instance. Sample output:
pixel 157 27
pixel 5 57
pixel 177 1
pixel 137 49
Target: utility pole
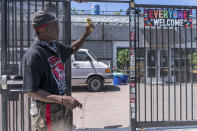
pixel 67 40
pixel 132 44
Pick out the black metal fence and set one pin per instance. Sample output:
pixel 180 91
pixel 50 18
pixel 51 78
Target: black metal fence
pixel 16 20
pixel 16 35
pixel 165 66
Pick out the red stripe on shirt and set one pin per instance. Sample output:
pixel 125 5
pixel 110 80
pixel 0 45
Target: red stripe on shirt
pixel 48 117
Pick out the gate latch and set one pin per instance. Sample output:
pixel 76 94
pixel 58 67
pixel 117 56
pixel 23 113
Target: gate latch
pixel 4 82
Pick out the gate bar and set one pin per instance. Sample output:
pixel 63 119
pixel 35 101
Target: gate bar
pixel 180 34
pixel 164 6
pixel 162 76
pixel 107 1
pixel 151 79
pixel 157 66
pixel 3 36
pixel 138 60
pixel 169 72
pixel 165 124
pixel 8 32
pixel 132 71
pixel 174 72
pixel 145 69
pixel 16 35
pixel 185 53
pixel 191 69
pixel 4 103
pixel 13 31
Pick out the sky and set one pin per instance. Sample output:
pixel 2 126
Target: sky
pixel 119 6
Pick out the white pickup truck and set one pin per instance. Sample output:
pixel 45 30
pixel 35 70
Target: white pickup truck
pixel 87 70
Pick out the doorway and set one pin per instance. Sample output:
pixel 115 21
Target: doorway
pixel 157 65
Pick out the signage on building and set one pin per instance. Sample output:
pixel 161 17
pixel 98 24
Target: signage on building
pixel 170 18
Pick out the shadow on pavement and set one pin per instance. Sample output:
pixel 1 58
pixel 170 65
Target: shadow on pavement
pixel 80 89
pixel 108 88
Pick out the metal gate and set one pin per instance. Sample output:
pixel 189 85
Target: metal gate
pixel 163 66
pixel 16 35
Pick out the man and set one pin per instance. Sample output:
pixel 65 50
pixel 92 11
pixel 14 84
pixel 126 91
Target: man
pixel 44 75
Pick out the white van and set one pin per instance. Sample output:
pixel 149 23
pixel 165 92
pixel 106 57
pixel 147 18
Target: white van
pixel 86 69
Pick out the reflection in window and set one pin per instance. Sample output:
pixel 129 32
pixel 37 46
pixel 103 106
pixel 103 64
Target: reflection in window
pixel 164 58
pixel 81 56
pixel 93 55
pixel 151 58
pixel 151 72
pixel 163 72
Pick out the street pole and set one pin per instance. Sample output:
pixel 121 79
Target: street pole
pixel 3 62
pixel 132 44
pixel 3 36
pixel 67 40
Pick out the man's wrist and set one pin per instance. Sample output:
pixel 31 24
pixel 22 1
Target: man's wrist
pixel 86 34
pixel 62 99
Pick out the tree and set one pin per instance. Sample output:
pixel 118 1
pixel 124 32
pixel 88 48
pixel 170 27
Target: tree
pixel 193 60
pixel 123 58
pixel 118 13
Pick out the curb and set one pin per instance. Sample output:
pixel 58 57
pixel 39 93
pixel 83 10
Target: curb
pixel 101 129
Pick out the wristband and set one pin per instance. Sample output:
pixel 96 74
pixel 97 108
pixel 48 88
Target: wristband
pixel 62 99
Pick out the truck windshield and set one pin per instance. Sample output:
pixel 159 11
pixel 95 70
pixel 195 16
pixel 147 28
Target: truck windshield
pixel 92 54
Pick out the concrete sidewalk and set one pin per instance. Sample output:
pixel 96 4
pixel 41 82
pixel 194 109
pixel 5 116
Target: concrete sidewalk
pixel 102 110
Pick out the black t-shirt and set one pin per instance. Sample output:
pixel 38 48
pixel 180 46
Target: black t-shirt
pixel 43 68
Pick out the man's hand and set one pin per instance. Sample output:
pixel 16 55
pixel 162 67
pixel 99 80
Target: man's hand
pixel 78 44
pixel 71 103
pixel 45 96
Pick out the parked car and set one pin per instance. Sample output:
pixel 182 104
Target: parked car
pixel 86 69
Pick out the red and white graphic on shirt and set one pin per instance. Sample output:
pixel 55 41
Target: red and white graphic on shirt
pixel 58 72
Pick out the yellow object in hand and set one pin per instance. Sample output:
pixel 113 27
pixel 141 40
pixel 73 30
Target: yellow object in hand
pixel 89 21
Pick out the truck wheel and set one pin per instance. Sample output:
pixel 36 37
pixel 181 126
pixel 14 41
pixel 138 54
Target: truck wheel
pixel 95 84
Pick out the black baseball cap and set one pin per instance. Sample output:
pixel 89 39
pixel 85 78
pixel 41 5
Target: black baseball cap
pixel 41 18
